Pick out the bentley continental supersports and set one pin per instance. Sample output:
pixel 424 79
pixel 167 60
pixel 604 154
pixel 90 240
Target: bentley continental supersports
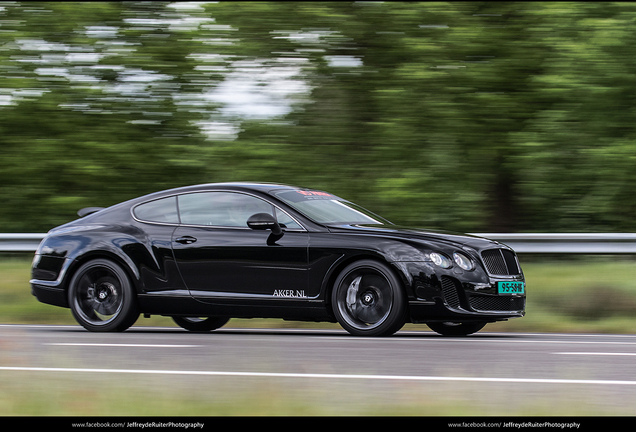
pixel 205 254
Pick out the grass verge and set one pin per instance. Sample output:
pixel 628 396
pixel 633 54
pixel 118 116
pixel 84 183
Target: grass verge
pixel 578 295
pixel 584 294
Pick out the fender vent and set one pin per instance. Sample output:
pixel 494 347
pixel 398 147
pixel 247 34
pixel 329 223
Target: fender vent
pixel 449 288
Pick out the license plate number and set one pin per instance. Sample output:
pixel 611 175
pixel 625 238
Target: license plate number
pixel 510 287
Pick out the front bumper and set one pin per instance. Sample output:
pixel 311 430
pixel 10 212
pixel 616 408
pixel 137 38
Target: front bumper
pixel 459 301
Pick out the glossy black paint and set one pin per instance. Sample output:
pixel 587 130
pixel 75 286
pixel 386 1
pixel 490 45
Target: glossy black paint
pixel 182 269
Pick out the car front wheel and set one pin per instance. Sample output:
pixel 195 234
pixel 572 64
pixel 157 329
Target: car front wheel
pixel 203 324
pixel 368 299
pixel 101 297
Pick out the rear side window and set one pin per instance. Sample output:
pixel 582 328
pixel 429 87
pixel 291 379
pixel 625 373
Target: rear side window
pixel 162 210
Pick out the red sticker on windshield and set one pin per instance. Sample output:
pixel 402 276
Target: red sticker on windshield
pixel 314 193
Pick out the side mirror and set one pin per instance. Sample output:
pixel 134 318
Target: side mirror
pixel 265 221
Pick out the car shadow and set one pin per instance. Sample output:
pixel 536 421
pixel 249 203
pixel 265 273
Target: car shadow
pixel 407 334
pixel 333 333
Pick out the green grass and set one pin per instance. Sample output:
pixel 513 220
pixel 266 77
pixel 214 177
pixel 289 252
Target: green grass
pixel 590 294
pixel 43 395
pixel 585 294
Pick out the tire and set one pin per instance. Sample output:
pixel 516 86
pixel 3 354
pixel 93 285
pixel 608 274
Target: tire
pixel 368 299
pixel 456 329
pixel 101 297
pixel 204 324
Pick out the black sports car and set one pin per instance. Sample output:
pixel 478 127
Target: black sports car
pixel 204 254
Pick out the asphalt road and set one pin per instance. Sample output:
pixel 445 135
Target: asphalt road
pixel 486 373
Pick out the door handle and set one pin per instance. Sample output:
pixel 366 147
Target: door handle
pixel 186 240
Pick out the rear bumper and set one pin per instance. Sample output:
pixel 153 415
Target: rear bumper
pixel 47 275
pixel 49 294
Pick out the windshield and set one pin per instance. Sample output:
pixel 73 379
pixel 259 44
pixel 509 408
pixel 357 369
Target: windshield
pixel 325 208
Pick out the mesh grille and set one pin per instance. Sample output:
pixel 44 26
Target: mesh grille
pixel 499 304
pixel 500 262
pixel 450 292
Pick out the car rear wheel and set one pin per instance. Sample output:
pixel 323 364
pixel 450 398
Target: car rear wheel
pixel 455 328
pixel 368 299
pixel 200 324
pixel 101 297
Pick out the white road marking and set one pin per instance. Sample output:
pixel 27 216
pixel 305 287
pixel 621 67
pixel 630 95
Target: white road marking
pixel 521 341
pixel 321 376
pixel 596 353
pixel 123 345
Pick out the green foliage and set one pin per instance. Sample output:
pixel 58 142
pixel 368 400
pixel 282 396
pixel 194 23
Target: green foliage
pixel 584 294
pixel 471 116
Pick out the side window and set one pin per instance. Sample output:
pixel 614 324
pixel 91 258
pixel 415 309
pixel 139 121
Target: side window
pixel 285 221
pixel 161 210
pixel 220 208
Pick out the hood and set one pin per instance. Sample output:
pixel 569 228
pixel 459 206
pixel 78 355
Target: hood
pixel 449 237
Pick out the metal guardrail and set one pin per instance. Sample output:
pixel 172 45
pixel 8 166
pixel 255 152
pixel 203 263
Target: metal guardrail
pixel 20 242
pixel 576 243
pixel 581 243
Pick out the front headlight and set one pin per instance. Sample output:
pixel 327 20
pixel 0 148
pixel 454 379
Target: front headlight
pixel 463 261
pixel 440 260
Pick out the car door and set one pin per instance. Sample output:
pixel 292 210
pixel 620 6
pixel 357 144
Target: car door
pixel 220 257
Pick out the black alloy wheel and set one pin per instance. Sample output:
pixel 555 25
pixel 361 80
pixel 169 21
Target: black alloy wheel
pixel 368 299
pixel 101 297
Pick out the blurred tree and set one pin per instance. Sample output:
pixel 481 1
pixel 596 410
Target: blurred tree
pixel 482 116
pixel 99 105
pixel 413 105
pixel 580 160
pixel 471 116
